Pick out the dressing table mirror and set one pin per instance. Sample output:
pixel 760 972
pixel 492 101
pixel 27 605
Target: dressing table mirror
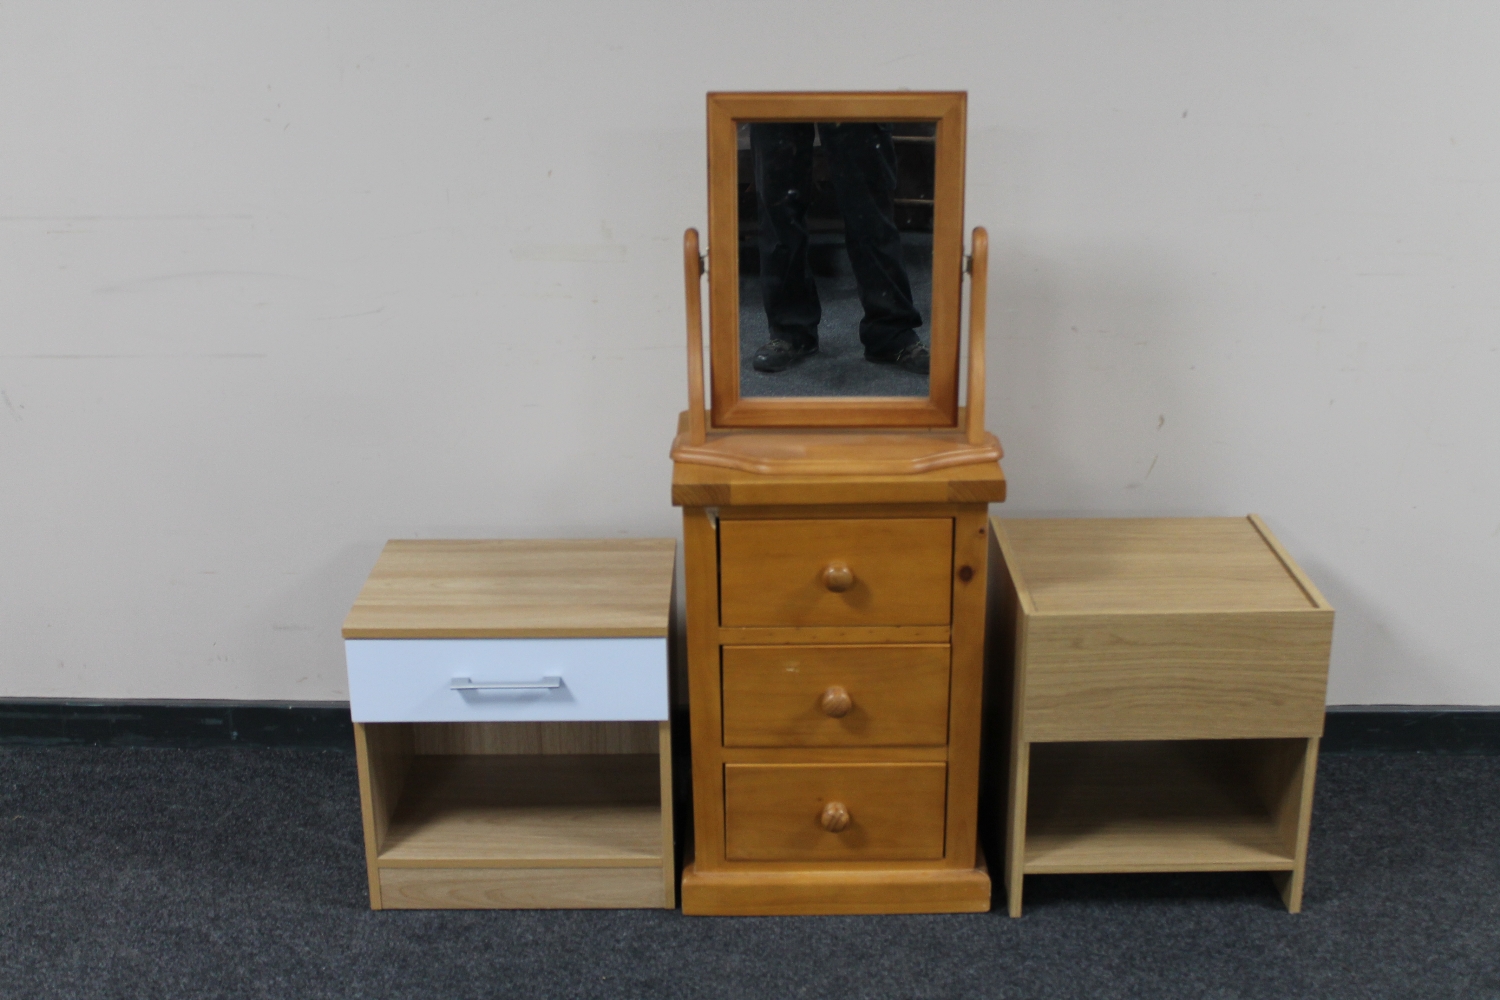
pixel 835 289
pixel 835 499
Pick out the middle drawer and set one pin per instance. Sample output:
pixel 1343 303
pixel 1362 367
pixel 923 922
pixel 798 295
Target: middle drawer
pixel 833 696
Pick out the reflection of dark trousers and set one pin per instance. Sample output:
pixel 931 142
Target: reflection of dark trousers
pixel 862 162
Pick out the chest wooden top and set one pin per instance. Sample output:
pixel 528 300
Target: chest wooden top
pixel 708 486
pixel 1162 565
pixel 514 589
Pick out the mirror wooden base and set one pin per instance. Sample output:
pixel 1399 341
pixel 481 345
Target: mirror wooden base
pixel 768 894
pixel 812 452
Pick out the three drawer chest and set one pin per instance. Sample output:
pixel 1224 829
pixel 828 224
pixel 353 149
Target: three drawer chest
pixel 835 655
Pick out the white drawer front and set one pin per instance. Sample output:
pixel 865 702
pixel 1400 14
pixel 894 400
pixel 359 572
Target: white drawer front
pixel 594 680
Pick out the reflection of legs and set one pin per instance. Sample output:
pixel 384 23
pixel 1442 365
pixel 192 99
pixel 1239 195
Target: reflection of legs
pixel 783 185
pixel 862 160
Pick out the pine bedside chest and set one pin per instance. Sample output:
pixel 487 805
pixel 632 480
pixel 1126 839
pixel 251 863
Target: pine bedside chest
pixel 1162 684
pixel 510 719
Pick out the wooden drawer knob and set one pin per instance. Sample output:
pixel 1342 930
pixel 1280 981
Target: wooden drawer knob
pixel 838 577
pixel 836 702
pixel 835 817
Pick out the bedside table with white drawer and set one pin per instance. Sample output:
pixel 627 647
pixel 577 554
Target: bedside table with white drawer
pixel 510 706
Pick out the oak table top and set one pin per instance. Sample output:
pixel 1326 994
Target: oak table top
pixel 516 589
pixel 1155 566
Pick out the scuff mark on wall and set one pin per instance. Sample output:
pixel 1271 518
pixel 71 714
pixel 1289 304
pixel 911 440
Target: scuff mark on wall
pixel 15 413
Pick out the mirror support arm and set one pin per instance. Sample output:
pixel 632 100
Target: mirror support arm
pixel 694 265
pixel 979 266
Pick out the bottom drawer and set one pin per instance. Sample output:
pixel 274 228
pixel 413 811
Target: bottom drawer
pixel 520 888
pixel 833 812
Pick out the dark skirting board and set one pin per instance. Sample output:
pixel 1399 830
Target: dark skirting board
pixel 326 725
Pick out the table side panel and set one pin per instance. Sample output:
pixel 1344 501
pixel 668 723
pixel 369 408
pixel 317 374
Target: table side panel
pixel 701 573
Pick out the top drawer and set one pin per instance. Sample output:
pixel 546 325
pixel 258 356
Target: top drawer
pixel 887 571
pixel 507 680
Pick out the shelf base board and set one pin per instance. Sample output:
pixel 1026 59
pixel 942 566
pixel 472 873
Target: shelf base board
pixel 527 811
pixel 521 888
pixel 1043 865
pixel 1211 844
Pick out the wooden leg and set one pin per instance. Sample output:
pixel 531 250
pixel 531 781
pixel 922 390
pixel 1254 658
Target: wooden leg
pixel 367 811
pixel 1015 827
pixel 1300 796
pixel 668 842
pixel 383 754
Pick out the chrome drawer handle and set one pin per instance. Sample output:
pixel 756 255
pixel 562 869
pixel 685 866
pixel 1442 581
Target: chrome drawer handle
pixel 465 684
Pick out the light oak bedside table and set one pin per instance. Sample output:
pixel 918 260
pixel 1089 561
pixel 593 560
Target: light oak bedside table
pixel 1159 685
pixel 510 705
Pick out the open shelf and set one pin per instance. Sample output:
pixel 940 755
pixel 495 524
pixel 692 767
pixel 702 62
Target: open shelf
pixel 1190 805
pixel 527 811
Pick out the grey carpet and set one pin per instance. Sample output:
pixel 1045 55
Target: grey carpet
pixel 239 873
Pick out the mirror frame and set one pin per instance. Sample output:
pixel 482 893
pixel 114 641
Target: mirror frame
pixel 940 407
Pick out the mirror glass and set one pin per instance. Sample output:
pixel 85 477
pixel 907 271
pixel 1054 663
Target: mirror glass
pixel 835 228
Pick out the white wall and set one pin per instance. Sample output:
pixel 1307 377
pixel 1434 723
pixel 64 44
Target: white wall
pixel 281 280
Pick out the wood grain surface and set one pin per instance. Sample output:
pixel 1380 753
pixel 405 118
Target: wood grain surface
pixel 1150 565
pixel 516 589
pixel 854 635
pixel 695 485
pixel 1199 651
pixel 521 888
pixel 773 695
pixel 805 453
pixel 772 571
pixel 833 890
pixel 528 811
pixel 966 693
pixel 773 811
pixel 979 281
pixel 1150 806
pixel 383 755
pixel 666 816
pixel 701 573
pixel 534 737
pixel 1176 676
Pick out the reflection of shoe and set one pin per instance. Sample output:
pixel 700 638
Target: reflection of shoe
pixel 779 355
pixel 913 358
